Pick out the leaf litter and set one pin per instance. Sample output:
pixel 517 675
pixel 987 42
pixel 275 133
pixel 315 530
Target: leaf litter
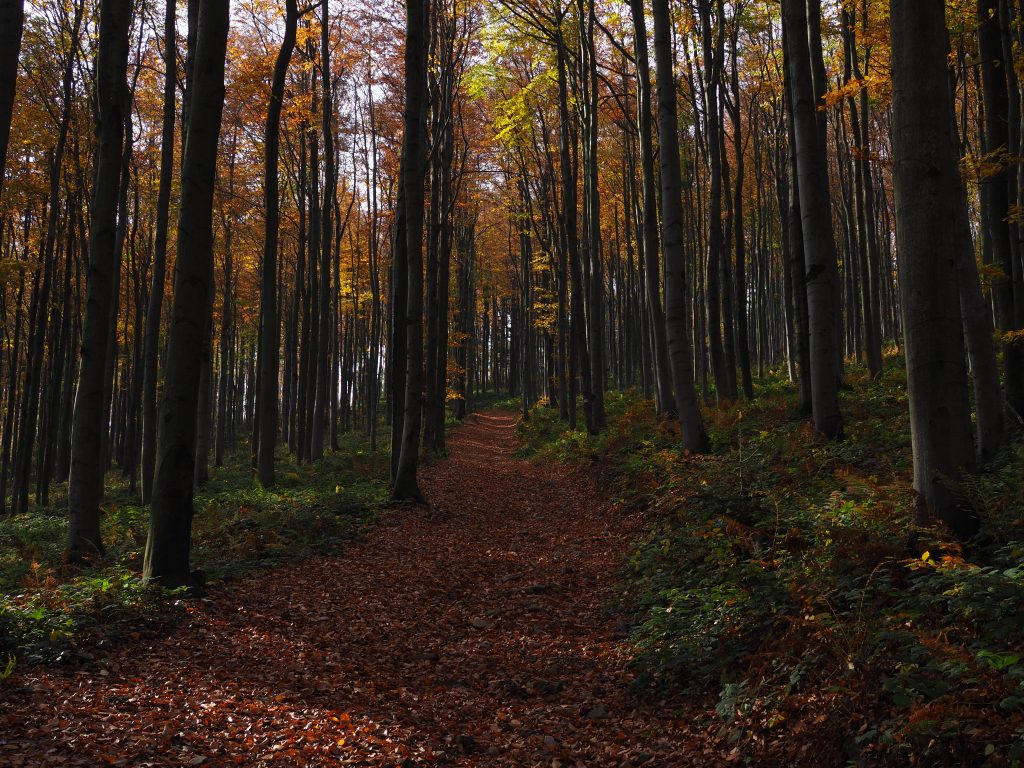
pixel 476 631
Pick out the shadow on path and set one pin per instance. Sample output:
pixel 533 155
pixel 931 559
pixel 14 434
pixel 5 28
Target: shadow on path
pixel 475 633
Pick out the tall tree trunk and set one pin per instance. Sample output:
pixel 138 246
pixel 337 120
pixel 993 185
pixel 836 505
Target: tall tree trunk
pixel 739 221
pixel 868 245
pixel 680 355
pixel 977 317
pixel 795 255
pixel 926 180
pixel 414 155
pixel 270 346
pixel 373 367
pixel 226 331
pixel 326 314
pixel 995 186
pixel 154 309
pixel 114 310
pixel 713 278
pixel 579 359
pixel 651 265
pixel 12 23
pixel 597 420
pixel 204 404
pixel 441 86
pixel 311 340
pixel 85 486
pixel 466 308
pixel 822 274
pixel 170 529
pixel 12 396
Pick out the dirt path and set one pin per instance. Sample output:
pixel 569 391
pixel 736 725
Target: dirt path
pixel 474 633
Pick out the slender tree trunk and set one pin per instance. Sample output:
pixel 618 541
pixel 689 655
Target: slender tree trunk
pixel 170 530
pixel 12 23
pixel 995 186
pixel 224 368
pixel 822 275
pixel 795 255
pixel 270 347
pixel 977 318
pixel 114 310
pixel 782 198
pixel 85 486
pixel 442 99
pixel 597 420
pixel 154 309
pixel 579 359
pixel 868 254
pixel 397 349
pixel 311 339
pixel 414 155
pixel 325 315
pixel 204 405
pixel 739 221
pixel 12 397
pixel 926 180
pixel 680 355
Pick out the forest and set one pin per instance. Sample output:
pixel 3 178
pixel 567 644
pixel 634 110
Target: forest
pixel 523 382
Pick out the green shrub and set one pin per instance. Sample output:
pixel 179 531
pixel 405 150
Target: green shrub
pixel 47 613
pixel 780 570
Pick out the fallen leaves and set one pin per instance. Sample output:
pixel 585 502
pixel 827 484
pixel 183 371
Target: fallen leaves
pixel 476 636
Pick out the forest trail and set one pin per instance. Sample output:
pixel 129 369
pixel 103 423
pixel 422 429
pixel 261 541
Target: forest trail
pixel 472 633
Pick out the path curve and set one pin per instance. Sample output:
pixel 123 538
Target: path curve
pixel 473 633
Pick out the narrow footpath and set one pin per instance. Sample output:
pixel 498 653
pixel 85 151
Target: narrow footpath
pixel 475 632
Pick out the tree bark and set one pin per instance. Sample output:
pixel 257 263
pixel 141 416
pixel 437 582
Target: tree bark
pixel 995 186
pixel 651 267
pixel 926 182
pixel 596 418
pixel 154 309
pixel 414 155
pixel 170 530
pixel 977 318
pixel 85 486
pixel 325 315
pixel 795 255
pixel 12 24
pixel 694 435
pixel 270 346
pixel 740 290
pixel 822 276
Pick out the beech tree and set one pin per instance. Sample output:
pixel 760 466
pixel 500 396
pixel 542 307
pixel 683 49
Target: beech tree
pixel 169 541
pixel 652 267
pixel 413 157
pixel 927 187
pixel 815 220
pixel 269 325
pixel 998 194
pixel 154 308
pixel 680 354
pixel 12 22
pixel 85 486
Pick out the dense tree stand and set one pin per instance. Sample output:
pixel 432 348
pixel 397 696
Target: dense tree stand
pixel 256 259
pixel 479 625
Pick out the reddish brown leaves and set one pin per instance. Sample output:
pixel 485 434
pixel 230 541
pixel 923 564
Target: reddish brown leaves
pixel 473 632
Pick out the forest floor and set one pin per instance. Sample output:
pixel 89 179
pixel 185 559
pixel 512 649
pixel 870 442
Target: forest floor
pixel 480 630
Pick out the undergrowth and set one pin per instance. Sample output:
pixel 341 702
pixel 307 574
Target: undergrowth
pixel 783 580
pixel 51 613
